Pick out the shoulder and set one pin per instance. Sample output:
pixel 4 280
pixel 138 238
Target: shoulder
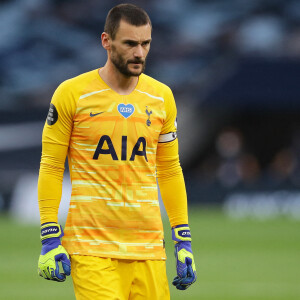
pixel 66 95
pixel 158 88
pixel 77 83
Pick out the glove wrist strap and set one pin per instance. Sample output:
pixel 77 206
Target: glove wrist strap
pixel 181 233
pixel 51 230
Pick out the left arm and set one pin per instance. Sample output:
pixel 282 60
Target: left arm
pixel 173 192
pixel 171 182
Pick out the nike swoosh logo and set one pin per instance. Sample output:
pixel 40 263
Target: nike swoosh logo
pixel 93 115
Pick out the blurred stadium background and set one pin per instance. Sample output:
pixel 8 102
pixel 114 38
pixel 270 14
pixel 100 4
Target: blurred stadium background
pixel 234 68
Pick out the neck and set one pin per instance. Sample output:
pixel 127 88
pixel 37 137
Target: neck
pixel 120 83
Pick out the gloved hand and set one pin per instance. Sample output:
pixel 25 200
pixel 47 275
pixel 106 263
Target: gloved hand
pixel 52 253
pixel 185 264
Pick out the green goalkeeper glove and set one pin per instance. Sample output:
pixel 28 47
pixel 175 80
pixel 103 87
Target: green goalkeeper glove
pixel 52 253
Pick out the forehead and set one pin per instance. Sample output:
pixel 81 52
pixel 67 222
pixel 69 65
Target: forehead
pixel 127 31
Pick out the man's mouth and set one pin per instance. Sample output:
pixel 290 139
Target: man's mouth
pixel 136 62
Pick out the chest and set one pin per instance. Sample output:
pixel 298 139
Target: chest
pixel 118 118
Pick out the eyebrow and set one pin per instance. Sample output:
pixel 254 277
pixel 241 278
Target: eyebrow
pixel 136 42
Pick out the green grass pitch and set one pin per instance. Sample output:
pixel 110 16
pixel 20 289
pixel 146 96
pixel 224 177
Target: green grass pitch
pixel 235 259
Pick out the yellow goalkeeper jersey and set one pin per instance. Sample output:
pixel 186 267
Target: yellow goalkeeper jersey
pixel 112 143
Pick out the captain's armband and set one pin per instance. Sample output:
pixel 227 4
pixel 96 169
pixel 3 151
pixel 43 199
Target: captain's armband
pixel 168 137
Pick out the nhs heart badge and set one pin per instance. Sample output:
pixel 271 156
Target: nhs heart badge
pixel 126 110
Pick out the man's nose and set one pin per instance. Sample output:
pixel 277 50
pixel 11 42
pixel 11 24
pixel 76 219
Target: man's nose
pixel 138 51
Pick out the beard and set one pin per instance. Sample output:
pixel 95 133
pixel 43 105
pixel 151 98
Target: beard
pixel 122 65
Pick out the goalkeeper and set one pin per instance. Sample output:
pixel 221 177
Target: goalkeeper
pixel 117 126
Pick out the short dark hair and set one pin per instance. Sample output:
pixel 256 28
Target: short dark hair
pixel 130 13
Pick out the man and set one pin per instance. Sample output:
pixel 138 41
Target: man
pixel 118 128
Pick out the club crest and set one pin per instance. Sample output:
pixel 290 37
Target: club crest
pixel 148 122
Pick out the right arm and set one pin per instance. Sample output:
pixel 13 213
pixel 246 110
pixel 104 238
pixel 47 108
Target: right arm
pixel 55 144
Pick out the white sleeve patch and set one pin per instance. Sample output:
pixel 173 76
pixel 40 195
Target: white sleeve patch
pixel 168 137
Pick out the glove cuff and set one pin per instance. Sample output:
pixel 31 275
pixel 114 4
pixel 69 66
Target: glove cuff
pixel 51 230
pixel 181 233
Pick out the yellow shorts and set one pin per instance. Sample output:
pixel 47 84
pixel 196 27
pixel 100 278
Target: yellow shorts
pixel 97 278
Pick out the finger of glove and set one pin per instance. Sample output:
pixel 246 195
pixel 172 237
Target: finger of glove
pixel 187 280
pixel 181 273
pixel 181 269
pixel 56 275
pixel 53 273
pixel 67 268
pixel 190 278
pixel 176 280
pixel 46 265
pixel 178 283
pixel 184 281
pixel 181 287
pixel 191 272
pixel 188 261
pixel 43 274
pixel 65 262
pixel 49 270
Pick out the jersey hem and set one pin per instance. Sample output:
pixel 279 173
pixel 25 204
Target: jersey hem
pixel 117 256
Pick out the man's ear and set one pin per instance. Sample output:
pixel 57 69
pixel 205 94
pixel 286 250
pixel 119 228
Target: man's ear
pixel 106 40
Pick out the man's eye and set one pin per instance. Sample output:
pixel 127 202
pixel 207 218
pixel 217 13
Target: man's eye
pixel 131 44
pixel 145 43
